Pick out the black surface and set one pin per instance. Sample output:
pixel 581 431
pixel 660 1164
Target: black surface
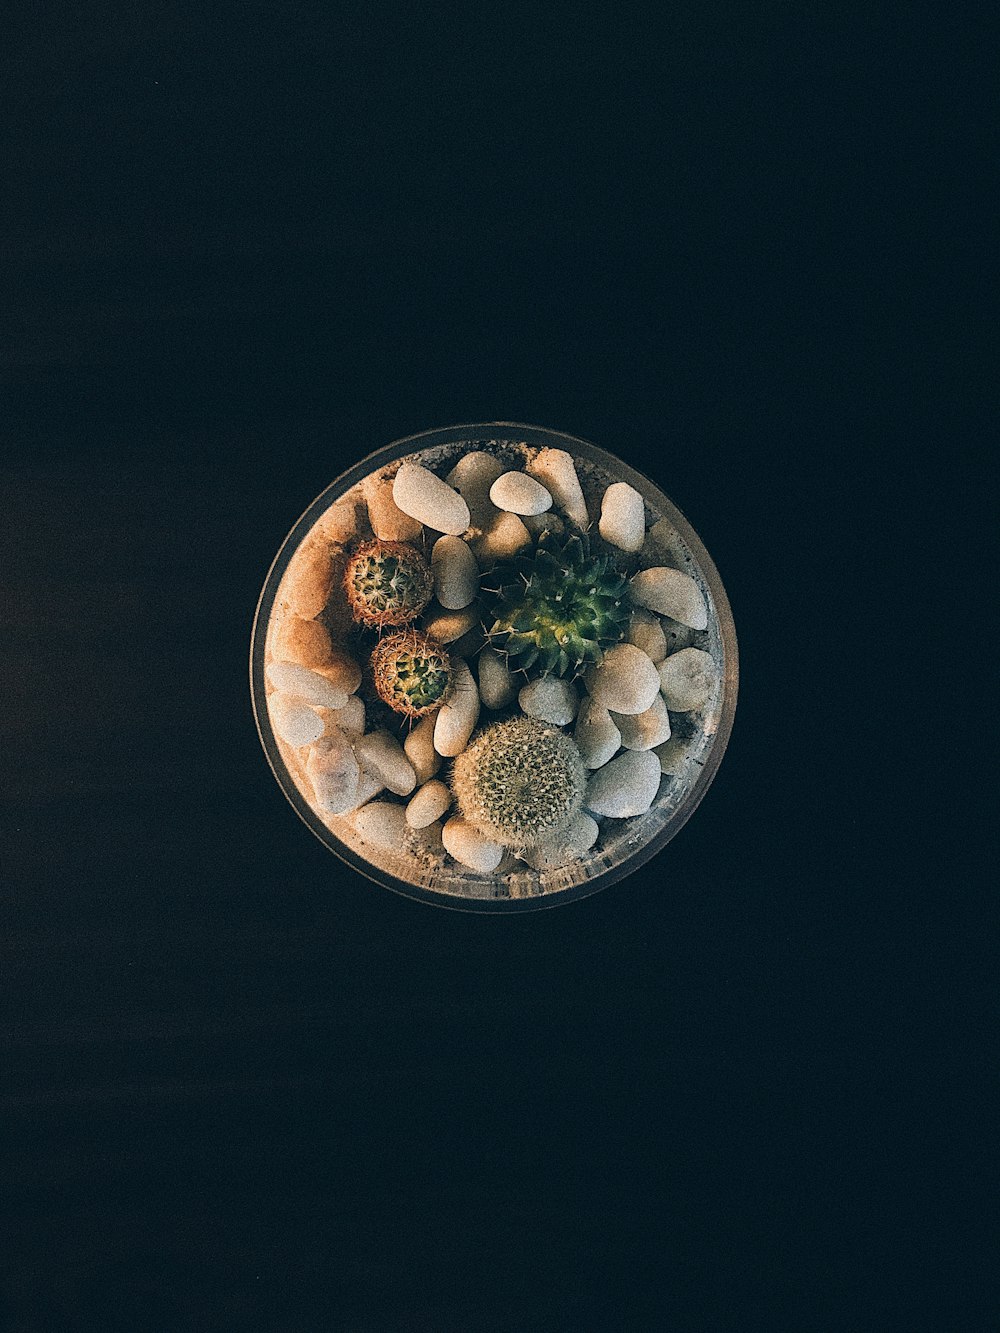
pixel 247 1089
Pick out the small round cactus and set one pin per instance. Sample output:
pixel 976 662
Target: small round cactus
pixel 387 584
pixel 411 673
pixel 519 781
pixel 556 608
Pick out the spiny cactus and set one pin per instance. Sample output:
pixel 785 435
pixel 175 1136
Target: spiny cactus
pixel 519 781
pixel 556 608
pixel 411 673
pixel 387 583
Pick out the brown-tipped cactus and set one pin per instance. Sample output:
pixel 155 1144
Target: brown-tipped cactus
pixel 556 608
pixel 411 673
pixel 387 584
pixel 519 781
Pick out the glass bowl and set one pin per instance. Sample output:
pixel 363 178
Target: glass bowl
pixel 695 750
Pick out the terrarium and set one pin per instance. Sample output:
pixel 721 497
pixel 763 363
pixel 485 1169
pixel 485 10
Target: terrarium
pixel 493 667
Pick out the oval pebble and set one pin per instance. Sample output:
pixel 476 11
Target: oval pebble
pixel 670 592
pixel 472 476
pixel 626 681
pixel 299 682
pixel 687 679
pixel 428 499
pixel 447 626
pixel 597 738
pixel 382 824
pixel 468 846
pixel 310 578
pixel 388 521
pixel 517 493
pixel 646 632
pixel 339 524
pixel 496 685
pixel 304 641
pixel 381 754
pixel 502 539
pixel 550 698
pixel 428 804
pixel 559 849
pixel 457 719
pixel 625 787
pixel 556 470
pixel 623 518
pixel 333 770
pixel 456 574
pixel 367 787
pixel 672 754
pixel 294 721
pixel 643 731
pixel 419 749
pixel 350 719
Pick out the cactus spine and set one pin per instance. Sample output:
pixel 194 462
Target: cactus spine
pixel 387 584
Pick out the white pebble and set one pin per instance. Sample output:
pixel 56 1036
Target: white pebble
pixel 382 824
pixel 428 804
pixel 381 754
pixel 456 574
pixel 447 626
pixel 503 538
pixel 472 476
pixel 687 679
pixel 625 787
pixel 518 493
pixel 294 721
pixel 468 846
pixel 298 682
pixel 672 593
pixel 625 681
pixel 350 719
pixel 550 698
pixel 646 632
pixel 333 770
pixel 671 754
pixel 643 731
pixel 557 850
pixel 368 787
pixel 496 686
pixel 419 749
pixel 388 521
pixel 597 738
pixel 428 499
pixel 623 520
pixel 457 718
pixel 556 470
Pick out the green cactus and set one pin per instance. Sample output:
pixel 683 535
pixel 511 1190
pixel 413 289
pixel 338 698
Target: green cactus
pixel 387 584
pixel 411 673
pixel 519 781
pixel 557 607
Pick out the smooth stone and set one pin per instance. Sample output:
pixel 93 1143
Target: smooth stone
pixel 368 786
pixel 644 731
pixel 496 685
pixel 547 522
pixel 597 738
pixel 382 824
pixel 502 539
pixel 670 592
pixel 310 578
pixel 388 521
pixel 350 719
pixel 518 493
pixel 456 720
pixel 333 770
pixel 625 787
pixel 556 470
pixel 687 679
pixel 559 849
pixel 381 754
pixel 456 573
pixel 469 644
pixel 304 641
pixel 626 681
pixel 339 524
pixel 646 632
pixel 467 845
pixel 671 754
pixel 342 670
pixel 294 721
pixel 447 626
pixel 428 499
pixel 623 517
pixel 299 682
pixel 419 749
pixel 428 804
pixel 550 698
pixel 472 476
pixel 662 534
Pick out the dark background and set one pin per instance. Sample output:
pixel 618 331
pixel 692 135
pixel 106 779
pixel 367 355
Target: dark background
pixel 247 1089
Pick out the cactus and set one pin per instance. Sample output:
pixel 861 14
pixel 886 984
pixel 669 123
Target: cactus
pixel 558 607
pixel 387 584
pixel 519 781
pixel 411 673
